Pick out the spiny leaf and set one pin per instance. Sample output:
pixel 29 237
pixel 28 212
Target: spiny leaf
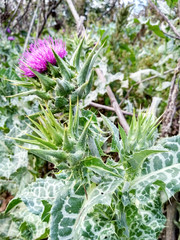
pixel 137 158
pixel 47 82
pixel 90 83
pixel 88 65
pixel 97 165
pixel 56 137
pixel 41 94
pixel 58 154
pixel 49 155
pixel 70 124
pixel 65 71
pixel 42 131
pixel 123 137
pixel 64 87
pixel 54 122
pixel 44 142
pixel 53 69
pixel 76 119
pixel 67 145
pixel 82 77
pixel 37 143
pixel 79 92
pixel 82 138
pixel 75 60
pixel 115 133
pixel 39 133
pixel 21 83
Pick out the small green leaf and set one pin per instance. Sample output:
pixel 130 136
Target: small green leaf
pixel 53 69
pixel 46 213
pixel 76 119
pixel 70 124
pixel 78 93
pixel 21 83
pixel 64 87
pixel 12 204
pixel 50 155
pixel 75 60
pixel 41 94
pixel 82 77
pixel 97 165
pixel 115 134
pixel 40 140
pixel 46 82
pixel 65 71
pixel 67 144
pixel 137 158
pixel 82 138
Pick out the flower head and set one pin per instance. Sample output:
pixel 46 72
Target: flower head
pixel 39 54
pixel 11 38
pixel 8 30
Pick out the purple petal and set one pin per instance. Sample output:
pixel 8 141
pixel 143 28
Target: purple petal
pixel 39 54
pixel 11 38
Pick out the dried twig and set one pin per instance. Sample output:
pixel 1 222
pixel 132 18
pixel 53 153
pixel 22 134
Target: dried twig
pixel 171 210
pixel 47 16
pixel 165 18
pixel 145 80
pixel 30 27
pixel 97 105
pixel 10 20
pixel 107 11
pixel 20 18
pixel 171 106
pixel 114 102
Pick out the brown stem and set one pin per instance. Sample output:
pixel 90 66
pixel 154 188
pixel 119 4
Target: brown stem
pixel 30 27
pixel 171 210
pixel 165 18
pixel 114 102
pixel 47 16
pixel 21 17
pixel 108 11
pixel 171 106
pixel 14 13
pixel 97 105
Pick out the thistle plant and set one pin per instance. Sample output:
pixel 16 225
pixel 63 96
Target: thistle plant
pixel 92 196
pixel 64 144
pixel 52 77
pixel 90 199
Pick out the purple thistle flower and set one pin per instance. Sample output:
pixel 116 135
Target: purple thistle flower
pixel 8 30
pixel 39 54
pixel 11 38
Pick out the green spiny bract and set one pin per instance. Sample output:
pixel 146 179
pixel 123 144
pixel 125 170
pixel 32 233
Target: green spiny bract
pixel 138 144
pixel 64 145
pixel 66 79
